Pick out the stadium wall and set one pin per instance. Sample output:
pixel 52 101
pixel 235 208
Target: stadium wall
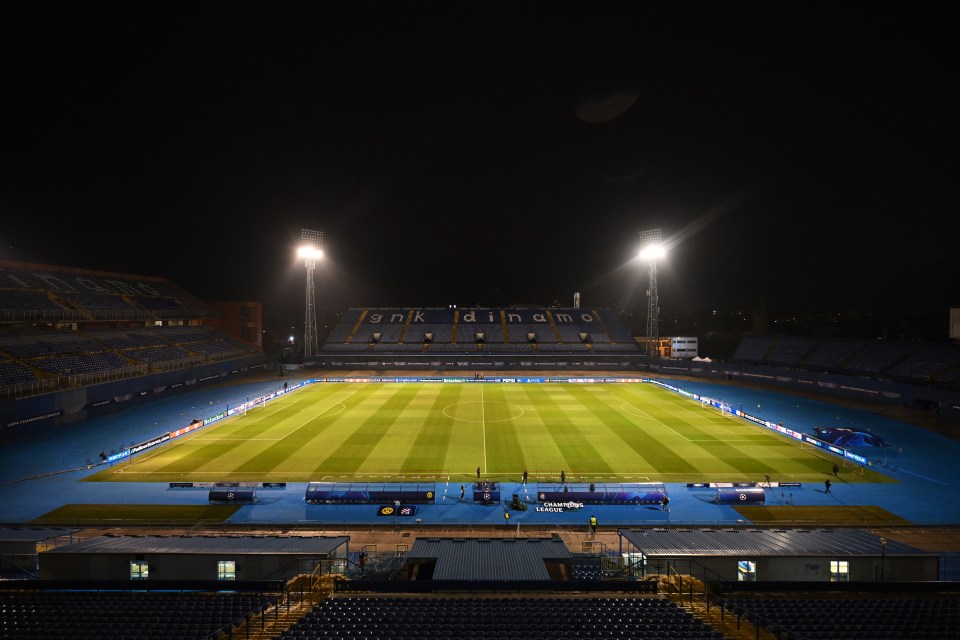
pixel 941 401
pixel 72 405
pixel 479 361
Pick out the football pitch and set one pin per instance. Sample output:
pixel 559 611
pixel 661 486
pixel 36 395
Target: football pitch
pixel 435 431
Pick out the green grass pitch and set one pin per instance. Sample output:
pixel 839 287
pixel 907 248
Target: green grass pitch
pixel 434 431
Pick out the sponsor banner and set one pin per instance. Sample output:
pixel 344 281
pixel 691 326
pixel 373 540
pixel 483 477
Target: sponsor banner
pixel 720 485
pixel 187 429
pixel 403 511
pixel 217 418
pixel 853 456
pixel 120 455
pixel 137 448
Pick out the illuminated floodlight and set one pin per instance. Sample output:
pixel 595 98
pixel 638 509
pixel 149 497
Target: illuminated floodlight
pixel 311 250
pixel 651 245
pixel 653 252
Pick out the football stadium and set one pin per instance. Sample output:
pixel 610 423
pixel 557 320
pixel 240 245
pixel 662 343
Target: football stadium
pixel 593 320
pixel 448 473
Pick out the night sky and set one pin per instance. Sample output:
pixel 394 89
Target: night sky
pixel 798 156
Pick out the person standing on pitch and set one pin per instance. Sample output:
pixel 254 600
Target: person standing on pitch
pixel 826 484
pixel 524 476
pixel 563 476
pixel 478 472
pixel 835 470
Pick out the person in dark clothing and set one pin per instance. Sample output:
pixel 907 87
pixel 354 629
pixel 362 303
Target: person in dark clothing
pixel 836 469
pixel 826 483
pixel 665 503
pixel 593 524
pixel 463 491
pixel 478 472
pixel 563 477
pixel 363 560
pixel 524 476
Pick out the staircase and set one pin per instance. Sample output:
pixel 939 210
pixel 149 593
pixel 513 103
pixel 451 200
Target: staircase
pixel 356 327
pixel 696 604
pixel 406 326
pixel 553 325
pixel 302 594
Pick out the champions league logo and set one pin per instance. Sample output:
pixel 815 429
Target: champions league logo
pixel 559 507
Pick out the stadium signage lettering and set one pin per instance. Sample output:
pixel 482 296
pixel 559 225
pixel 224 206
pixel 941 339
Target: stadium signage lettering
pixel 128 288
pixel 45 416
pixel 488 316
pixel 113 457
pixel 560 507
pixel 854 457
pixel 149 443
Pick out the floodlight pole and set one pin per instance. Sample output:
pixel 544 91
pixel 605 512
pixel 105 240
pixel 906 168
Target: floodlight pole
pixel 649 238
pixel 313 240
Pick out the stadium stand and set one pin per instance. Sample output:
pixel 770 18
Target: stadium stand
pixel 42 292
pixel 857 616
pixel 877 357
pixel 831 354
pixel 499 617
pixel 927 362
pixel 752 349
pixel 790 351
pixel 64 328
pixel 499 331
pixel 896 360
pixel 171 616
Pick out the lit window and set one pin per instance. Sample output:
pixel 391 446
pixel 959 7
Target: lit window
pixel 839 571
pixel 746 571
pixel 226 569
pixel 139 570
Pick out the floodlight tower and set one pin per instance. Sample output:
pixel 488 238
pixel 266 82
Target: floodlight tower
pixel 652 250
pixel 311 250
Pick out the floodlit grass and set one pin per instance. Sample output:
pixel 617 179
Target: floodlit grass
pixel 846 514
pixel 394 431
pixel 130 514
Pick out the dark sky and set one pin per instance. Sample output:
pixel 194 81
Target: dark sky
pixel 797 155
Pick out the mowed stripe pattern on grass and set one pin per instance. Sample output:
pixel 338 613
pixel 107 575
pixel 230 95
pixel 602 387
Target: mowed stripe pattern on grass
pixel 394 431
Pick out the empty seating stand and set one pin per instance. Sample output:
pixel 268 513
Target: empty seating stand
pixel 498 618
pixel 855 618
pixel 113 615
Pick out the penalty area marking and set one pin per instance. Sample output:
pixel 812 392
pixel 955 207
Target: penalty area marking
pixel 323 414
pixel 624 407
